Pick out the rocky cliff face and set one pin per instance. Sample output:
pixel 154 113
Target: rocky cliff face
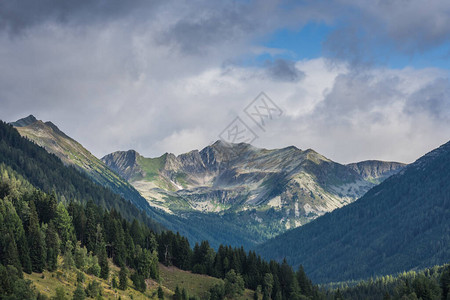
pixel 280 188
pixel 124 163
pixel 376 171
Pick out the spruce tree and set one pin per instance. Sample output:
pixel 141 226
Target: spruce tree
pixel 103 262
pixel 123 278
pixel 35 241
pixel 79 293
pixel 53 246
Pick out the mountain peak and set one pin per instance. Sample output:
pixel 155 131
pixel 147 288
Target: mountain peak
pixel 24 121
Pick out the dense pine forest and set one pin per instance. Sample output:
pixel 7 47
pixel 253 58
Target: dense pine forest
pixel 53 217
pixel 431 283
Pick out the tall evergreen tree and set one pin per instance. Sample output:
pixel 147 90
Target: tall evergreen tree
pixel 35 241
pixel 64 226
pixel 445 283
pixel 123 278
pixel 103 262
pixel 79 293
pixel 53 246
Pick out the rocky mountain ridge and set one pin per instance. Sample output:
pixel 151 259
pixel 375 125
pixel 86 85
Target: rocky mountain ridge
pixel 293 186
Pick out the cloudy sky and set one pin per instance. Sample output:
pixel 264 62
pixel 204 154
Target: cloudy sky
pixel 354 79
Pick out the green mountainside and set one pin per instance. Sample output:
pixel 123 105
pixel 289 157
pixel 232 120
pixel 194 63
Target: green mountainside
pixel 48 136
pixel 47 173
pixel 401 224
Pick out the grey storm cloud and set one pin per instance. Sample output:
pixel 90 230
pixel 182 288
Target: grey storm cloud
pixel 410 26
pixel 284 70
pixel 373 29
pixel 15 16
pixel 211 26
pixel 116 84
pixel 433 99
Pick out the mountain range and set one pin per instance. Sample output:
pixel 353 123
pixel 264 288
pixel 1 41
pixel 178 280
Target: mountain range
pixel 242 194
pixel 270 190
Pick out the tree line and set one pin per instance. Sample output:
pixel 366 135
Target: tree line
pixel 429 284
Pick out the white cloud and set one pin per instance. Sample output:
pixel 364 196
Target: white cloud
pixel 139 81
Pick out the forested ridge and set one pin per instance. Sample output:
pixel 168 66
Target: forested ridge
pixel 399 225
pixel 46 172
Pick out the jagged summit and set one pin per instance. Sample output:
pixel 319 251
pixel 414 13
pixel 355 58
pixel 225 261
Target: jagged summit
pixel 274 188
pixel 24 121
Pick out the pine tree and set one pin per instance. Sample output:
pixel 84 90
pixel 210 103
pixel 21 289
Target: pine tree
pixel 123 278
pixel 103 262
pixel 80 256
pixel 68 256
pixel 79 293
pixel 64 226
pixel 234 284
pixel 60 294
pixel 91 227
pixel 53 246
pixel 10 253
pixel 445 283
pixel 35 241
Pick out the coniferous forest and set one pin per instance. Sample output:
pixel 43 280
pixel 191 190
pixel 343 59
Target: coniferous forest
pixel 39 232
pixel 53 217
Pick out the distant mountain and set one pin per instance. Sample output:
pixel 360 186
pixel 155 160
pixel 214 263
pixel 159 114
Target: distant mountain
pixel 376 171
pixel 264 191
pixel 24 121
pixel 401 224
pixel 48 136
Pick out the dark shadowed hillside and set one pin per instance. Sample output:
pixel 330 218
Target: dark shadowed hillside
pixel 401 224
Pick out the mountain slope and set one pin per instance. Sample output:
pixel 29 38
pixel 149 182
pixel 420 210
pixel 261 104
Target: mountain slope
pixel 48 136
pixel 401 224
pixel 264 191
pixel 46 172
pixel 376 171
